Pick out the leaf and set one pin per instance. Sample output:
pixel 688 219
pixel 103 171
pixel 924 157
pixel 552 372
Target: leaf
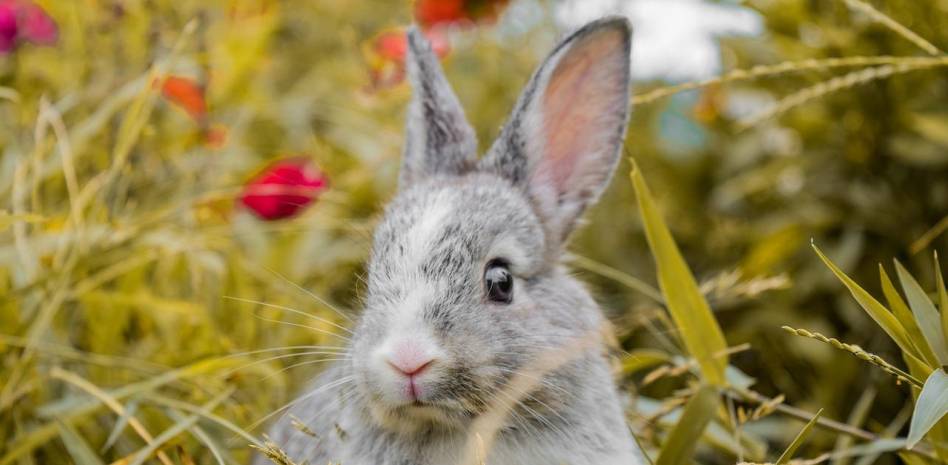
pixel 932 126
pixel 699 330
pixel 680 445
pixel 642 359
pixel 905 316
pixel 942 296
pixel 882 316
pixel 925 313
pixel 77 447
pixel 797 441
pixel 932 404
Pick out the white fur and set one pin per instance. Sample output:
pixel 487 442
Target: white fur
pixel 426 230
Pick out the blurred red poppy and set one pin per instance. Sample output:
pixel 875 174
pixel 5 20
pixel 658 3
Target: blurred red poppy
pixel 8 28
pixel 35 25
pixel 386 54
pixel 431 13
pixel 284 189
pixel 187 94
pixel 21 20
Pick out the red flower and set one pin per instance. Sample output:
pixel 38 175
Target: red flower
pixel 386 54
pixel 187 94
pixel 36 26
pixel 21 20
pixel 284 189
pixel 441 12
pixel 8 28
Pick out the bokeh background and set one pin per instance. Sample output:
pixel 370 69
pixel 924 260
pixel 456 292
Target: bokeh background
pixel 175 174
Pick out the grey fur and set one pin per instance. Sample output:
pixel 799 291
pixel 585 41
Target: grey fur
pixel 425 273
pixel 438 139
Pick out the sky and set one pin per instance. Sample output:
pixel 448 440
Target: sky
pixel 674 40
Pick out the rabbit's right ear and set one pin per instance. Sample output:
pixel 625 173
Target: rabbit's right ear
pixel 563 139
pixel 438 138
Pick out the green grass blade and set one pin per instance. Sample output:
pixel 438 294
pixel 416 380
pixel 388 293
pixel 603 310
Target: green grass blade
pixel 797 441
pixel 925 313
pixel 878 312
pixel 177 428
pixel 942 296
pixel 932 404
pixel 130 410
pixel 203 437
pixel 641 359
pixel 78 448
pixel 680 445
pixel 196 409
pixel 71 409
pixel 692 315
pixel 902 312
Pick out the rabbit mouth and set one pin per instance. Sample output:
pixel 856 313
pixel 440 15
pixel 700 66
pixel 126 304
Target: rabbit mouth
pixel 419 415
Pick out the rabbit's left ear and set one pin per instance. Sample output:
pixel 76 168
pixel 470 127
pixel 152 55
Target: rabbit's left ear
pixel 562 141
pixel 438 138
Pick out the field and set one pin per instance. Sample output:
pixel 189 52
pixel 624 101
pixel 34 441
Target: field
pixel 767 250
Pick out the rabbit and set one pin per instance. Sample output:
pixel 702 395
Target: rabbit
pixel 475 345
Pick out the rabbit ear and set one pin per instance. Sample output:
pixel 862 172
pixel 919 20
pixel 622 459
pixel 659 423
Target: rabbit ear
pixel 562 141
pixel 438 138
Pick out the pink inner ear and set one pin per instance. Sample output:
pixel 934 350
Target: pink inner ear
pixel 579 104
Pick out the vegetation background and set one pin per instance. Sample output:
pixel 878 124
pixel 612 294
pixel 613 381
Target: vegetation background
pixel 142 303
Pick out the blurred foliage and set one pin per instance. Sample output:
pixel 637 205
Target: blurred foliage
pixel 130 275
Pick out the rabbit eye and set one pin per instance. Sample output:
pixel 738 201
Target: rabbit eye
pixel 498 282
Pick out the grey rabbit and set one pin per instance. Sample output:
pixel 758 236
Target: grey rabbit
pixel 475 344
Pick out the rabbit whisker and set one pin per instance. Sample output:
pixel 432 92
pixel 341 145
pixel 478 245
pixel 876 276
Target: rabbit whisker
pixel 308 395
pixel 289 309
pixel 311 294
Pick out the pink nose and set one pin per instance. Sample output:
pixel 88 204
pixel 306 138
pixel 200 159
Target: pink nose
pixel 412 369
pixel 409 359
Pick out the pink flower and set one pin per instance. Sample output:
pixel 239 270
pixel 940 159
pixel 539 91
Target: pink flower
pixel 8 28
pixel 284 189
pixel 35 25
pixel 22 20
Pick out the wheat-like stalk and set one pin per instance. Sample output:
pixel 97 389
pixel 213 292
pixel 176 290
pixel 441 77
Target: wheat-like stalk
pixel 895 26
pixel 273 452
pixel 839 83
pixel 860 353
pixel 760 71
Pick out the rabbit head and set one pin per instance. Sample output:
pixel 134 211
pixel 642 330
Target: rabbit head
pixel 464 287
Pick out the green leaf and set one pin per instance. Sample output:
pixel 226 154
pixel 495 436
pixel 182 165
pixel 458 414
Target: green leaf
pixel 942 296
pixel 77 447
pixel 905 316
pixel 680 445
pixel 932 404
pixel 692 315
pixel 797 441
pixel 925 313
pixel 641 359
pixel 882 316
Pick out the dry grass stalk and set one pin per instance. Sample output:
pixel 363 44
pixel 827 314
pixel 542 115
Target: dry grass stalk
pixel 894 25
pixel 273 452
pixel 839 83
pixel 860 354
pixel 110 402
pixel 760 71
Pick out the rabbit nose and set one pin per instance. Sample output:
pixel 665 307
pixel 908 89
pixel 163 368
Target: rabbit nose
pixel 409 359
pixel 412 369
